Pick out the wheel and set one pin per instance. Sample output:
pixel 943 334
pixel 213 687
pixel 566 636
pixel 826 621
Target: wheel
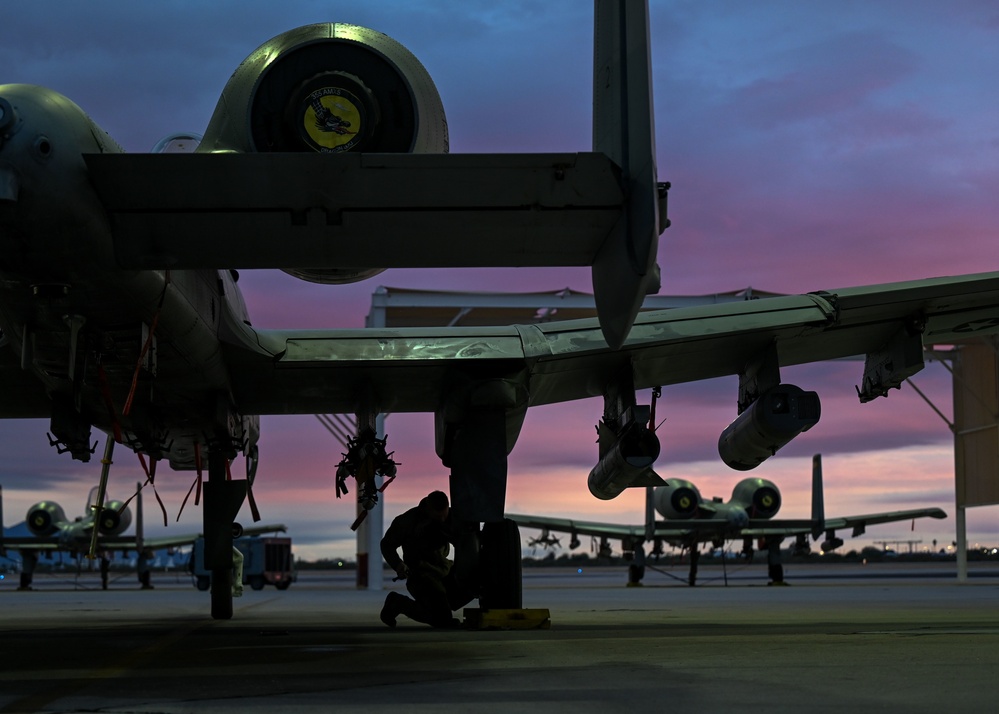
pixel 257 582
pixel 282 585
pixel 221 594
pixel 500 566
pixel 204 582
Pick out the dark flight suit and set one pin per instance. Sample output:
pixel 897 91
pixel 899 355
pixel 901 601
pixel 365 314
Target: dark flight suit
pixel 425 547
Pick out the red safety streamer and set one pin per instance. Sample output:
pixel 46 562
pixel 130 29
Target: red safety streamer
pixel 145 347
pixel 197 481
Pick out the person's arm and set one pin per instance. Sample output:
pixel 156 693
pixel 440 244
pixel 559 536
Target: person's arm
pixel 390 545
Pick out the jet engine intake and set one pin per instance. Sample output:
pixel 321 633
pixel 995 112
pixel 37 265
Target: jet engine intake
pixel 677 500
pixel 626 462
pixel 44 518
pixel 329 88
pixel 115 519
pixel 769 423
pixel 760 497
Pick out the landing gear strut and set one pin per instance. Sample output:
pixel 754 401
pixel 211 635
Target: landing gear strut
pixel 500 571
pixel 490 559
pixel 223 499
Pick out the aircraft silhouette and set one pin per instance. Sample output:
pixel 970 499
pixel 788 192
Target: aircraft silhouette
pixel 546 540
pixel 96 534
pixel 120 310
pixel 688 520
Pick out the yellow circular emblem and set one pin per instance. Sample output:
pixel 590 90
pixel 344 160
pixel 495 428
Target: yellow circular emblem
pixel 332 119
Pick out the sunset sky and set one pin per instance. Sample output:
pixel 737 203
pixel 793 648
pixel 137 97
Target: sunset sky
pixel 811 146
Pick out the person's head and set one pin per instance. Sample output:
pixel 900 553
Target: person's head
pixel 436 506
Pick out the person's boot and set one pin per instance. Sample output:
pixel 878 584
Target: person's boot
pixel 392 608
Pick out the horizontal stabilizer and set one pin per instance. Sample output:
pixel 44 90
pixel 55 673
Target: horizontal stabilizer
pixel 357 210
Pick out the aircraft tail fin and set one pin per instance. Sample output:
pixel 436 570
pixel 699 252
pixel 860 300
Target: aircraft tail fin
pixel 818 500
pixel 625 269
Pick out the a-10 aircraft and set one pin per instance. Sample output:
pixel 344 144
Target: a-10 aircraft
pixel 689 520
pixel 327 157
pixel 52 532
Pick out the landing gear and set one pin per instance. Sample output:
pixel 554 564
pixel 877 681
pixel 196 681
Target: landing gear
pixel 222 593
pixel 695 555
pixel 775 569
pixel 29 559
pixel 105 568
pixel 475 447
pixel 223 499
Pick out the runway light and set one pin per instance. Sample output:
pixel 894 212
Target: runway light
pixel 579 571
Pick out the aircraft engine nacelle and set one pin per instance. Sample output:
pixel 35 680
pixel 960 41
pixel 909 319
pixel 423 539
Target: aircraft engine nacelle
pixel 677 500
pixel 629 459
pixel 760 498
pixel 115 519
pixel 44 518
pixel 776 417
pixel 329 88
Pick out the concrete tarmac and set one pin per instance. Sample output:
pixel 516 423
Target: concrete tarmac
pixel 912 640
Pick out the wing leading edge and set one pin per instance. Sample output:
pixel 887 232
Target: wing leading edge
pixel 313 371
pixel 712 529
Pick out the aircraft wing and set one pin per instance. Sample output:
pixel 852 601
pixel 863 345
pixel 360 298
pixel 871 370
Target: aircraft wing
pixel 584 528
pixel 788 527
pixel 859 523
pixel 189 538
pixel 709 529
pixel 675 530
pixel 323 371
pixel 121 543
pixel 69 546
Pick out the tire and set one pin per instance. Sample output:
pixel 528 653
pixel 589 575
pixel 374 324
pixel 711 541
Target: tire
pixel 257 582
pixel 282 585
pixel 221 593
pixel 204 582
pixel 500 566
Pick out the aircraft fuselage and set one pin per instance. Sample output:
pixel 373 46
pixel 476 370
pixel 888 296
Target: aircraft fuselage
pixel 80 323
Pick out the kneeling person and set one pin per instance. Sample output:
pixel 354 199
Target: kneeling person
pixel 422 533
